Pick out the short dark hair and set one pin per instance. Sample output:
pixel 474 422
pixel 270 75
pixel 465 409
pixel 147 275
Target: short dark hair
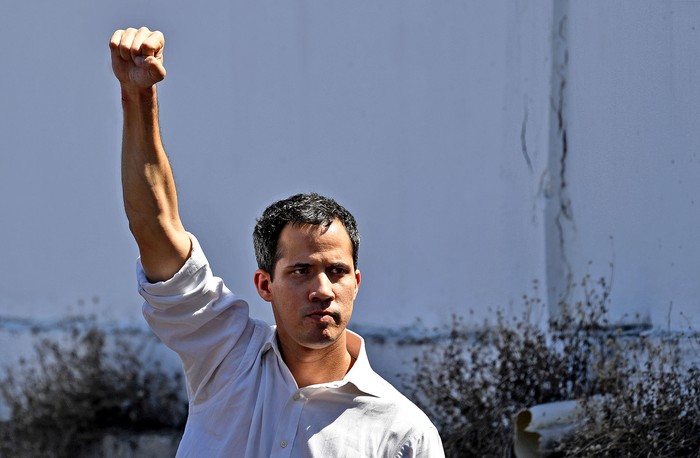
pixel 299 210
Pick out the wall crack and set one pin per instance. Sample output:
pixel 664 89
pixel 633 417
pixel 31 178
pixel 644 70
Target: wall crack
pixel 523 140
pixel 560 215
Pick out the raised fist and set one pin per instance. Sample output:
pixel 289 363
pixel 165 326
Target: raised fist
pixel 137 57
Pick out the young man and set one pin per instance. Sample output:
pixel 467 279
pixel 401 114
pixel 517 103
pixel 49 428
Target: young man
pixel 301 388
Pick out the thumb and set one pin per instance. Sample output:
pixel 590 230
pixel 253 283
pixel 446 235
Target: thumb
pixel 154 67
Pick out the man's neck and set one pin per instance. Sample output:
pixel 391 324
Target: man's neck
pixel 314 366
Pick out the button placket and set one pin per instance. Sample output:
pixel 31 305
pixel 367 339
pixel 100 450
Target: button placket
pixel 287 429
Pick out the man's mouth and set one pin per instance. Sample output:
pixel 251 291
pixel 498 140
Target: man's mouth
pixel 324 316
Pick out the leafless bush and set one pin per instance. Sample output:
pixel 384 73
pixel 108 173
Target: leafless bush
pixel 474 382
pixel 653 412
pixel 77 390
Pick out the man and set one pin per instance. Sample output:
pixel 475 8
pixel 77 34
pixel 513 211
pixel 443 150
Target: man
pixel 301 388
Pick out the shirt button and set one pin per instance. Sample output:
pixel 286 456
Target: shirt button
pixel 283 444
pixel 297 396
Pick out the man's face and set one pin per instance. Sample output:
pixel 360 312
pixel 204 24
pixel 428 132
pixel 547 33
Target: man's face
pixel 315 285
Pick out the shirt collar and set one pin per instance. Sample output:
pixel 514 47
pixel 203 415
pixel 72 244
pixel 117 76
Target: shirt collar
pixel 361 375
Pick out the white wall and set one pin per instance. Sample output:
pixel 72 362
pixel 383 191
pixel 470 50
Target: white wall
pixel 634 158
pixel 433 122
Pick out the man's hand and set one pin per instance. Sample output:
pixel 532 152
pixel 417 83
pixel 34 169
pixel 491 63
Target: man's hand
pixel 137 57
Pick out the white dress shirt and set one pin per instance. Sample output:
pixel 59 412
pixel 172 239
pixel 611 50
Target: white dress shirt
pixel 243 400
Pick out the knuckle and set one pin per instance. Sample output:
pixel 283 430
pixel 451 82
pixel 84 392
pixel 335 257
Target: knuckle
pixel 116 38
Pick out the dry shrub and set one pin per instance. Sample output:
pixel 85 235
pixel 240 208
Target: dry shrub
pixel 474 381
pixel 82 386
pixel 653 412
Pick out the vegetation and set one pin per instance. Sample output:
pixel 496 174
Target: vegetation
pixel 473 383
pixel 652 409
pixel 82 386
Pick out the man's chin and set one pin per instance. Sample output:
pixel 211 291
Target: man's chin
pixel 324 339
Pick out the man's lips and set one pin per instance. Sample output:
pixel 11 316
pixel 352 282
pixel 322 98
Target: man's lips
pixel 322 315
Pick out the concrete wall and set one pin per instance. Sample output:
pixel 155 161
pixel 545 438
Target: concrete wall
pixel 633 108
pixel 481 145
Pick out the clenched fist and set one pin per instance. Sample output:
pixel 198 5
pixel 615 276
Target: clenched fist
pixel 137 57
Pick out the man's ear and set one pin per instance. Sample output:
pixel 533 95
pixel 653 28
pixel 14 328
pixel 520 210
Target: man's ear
pixel 358 279
pixel 263 282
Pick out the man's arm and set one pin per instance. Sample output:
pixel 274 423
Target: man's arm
pixel 150 197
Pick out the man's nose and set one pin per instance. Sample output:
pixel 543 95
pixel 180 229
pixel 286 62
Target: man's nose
pixel 322 289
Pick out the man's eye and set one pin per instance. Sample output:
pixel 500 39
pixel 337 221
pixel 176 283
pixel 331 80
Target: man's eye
pixel 301 271
pixel 338 271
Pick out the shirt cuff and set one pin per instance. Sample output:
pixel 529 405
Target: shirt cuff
pixel 185 279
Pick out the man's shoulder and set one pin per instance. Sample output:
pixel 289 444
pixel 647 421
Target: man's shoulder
pixel 415 432
pixel 395 404
pixel 405 405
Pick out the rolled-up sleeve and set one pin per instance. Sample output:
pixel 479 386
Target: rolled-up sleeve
pixel 194 314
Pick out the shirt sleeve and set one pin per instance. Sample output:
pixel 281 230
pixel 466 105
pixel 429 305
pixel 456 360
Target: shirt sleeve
pixel 194 314
pixel 426 445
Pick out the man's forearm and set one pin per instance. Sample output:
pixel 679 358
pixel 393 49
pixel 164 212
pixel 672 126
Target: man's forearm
pixel 150 197
pixel 149 191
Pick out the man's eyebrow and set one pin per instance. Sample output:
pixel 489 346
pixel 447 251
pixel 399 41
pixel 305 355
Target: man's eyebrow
pixel 341 264
pixel 299 264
